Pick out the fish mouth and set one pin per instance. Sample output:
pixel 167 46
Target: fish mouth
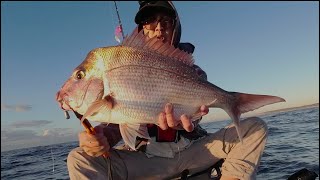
pixel 67 103
pixel 63 100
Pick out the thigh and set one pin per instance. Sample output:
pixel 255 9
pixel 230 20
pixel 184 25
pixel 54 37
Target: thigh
pixel 82 166
pixel 139 166
pixel 242 158
pixel 199 156
pixel 225 144
pixel 202 154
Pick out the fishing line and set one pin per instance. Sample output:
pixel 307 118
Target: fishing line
pixel 179 152
pixel 52 157
pixel 119 20
pixel 52 161
pixel 118 29
pixel 112 17
pixel 48 134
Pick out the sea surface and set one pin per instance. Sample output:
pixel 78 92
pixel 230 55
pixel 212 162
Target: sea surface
pixel 293 144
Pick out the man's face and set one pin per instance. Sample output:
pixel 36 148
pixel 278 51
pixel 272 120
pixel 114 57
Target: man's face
pixel 159 25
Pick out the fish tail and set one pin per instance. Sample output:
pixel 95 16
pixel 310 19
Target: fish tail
pixel 247 102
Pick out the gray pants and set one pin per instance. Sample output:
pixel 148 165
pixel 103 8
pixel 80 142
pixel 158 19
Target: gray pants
pixel 241 159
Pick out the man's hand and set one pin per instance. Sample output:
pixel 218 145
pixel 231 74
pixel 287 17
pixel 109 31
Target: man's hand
pixel 166 119
pixel 94 145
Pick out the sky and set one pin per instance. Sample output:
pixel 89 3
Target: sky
pixel 251 47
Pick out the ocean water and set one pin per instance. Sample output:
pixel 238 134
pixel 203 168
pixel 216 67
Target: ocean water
pixel 293 144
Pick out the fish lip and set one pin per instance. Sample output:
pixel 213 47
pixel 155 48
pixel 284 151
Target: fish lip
pixel 63 100
pixel 65 107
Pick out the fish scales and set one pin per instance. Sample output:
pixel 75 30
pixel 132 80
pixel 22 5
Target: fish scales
pixel 149 80
pixel 151 91
pixel 155 64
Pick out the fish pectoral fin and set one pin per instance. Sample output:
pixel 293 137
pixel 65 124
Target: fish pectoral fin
pixel 101 105
pixel 130 132
pixel 109 101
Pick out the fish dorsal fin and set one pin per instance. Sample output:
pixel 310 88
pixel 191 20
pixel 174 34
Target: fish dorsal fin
pixel 141 41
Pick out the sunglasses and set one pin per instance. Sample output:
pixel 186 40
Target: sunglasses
pixel 152 21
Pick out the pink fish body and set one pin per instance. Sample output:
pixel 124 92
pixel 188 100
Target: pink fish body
pixel 130 84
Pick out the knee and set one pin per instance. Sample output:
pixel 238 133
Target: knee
pixel 74 157
pixel 256 124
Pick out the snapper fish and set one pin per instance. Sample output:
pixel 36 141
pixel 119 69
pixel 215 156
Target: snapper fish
pixel 130 84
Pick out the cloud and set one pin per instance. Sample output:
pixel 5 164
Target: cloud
pixel 17 135
pixel 14 139
pixel 33 123
pixel 16 108
pixel 13 135
pixel 58 132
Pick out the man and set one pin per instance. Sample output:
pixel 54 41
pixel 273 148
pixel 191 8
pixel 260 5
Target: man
pixel 171 150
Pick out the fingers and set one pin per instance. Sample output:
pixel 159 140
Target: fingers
pixel 163 121
pixel 186 123
pixel 167 119
pixel 170 116
pixel 93 145
pixel 204 110
pixel 94 151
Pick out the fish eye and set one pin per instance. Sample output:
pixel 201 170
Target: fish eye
pixel 80 74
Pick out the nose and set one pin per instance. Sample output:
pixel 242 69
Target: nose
pixel 159 30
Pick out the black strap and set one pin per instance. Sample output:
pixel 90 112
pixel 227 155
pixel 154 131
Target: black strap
pixel 216 166
pixel 184 174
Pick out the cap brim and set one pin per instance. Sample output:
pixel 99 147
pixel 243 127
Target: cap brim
pixel 150 9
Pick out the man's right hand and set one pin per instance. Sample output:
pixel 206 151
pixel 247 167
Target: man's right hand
pixel 166 119
pixel 94 145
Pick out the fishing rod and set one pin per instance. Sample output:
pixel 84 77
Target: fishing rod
pixel 88 127
pixel 119 20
